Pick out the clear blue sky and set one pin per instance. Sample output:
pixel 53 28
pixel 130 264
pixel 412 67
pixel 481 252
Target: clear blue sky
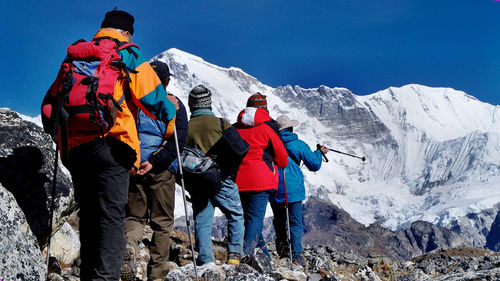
pixel 364 46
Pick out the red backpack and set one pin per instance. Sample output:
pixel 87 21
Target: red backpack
pixel 81 99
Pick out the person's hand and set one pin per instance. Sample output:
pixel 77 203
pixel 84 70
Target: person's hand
pixel 144 168
pixel 173 100
pixel 324 150
pixel 133 171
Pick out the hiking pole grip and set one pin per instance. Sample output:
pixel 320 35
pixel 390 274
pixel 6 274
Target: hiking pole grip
pixel 318 146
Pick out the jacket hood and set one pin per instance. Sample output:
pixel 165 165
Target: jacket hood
pixel 110 32
pixel 288 136
pixel 253 116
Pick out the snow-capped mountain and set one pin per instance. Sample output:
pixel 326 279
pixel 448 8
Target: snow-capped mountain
pixel 432 154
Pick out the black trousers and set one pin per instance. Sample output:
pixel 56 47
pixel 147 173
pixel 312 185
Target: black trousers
pixel 100 174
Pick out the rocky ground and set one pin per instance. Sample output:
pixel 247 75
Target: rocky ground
pixel 320 263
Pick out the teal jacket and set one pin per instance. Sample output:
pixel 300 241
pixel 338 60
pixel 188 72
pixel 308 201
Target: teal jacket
pixel 298 151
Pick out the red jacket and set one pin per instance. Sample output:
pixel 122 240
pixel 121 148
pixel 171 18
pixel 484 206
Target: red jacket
pixel 258 169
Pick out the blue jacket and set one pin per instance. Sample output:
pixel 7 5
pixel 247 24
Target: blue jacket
pixel 297 151
pixel 151 133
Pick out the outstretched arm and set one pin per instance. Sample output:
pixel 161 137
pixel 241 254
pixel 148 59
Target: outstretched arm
pixel 312 159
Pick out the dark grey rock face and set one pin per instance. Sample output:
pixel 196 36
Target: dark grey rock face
pixel 493 238
pixel 476 227
pixel 326 224
pixel 427 237
pixel 339 109
pixel 26 168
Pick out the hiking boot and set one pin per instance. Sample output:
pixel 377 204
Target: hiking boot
pixel 298 260
pixel 128 270
pixel 282 249
pixel 233 258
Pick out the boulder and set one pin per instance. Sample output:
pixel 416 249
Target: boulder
pixel 26 167
pixel 65 245
pixel 26 170
pixel 20 256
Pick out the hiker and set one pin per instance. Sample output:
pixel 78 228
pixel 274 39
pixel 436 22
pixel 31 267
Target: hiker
pixel 298 151
pixel 151 194
pixel 100 163
pixel 203 132
pixel 257 176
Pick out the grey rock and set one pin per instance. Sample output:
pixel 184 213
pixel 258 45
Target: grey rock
pixel 289 274
pixel 250 277
pixel 493 274
pixel 20 256
pixel 314 277
pixel 55 277
pixel 177 275
pixel 214 273
pixel 65 245
pixel 317 263
pixel 259 261
pixel 415 275
pixel 365 273
pixel 246 269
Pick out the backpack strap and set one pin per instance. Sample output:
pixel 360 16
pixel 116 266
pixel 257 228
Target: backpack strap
pixel 62 115
pixel 221 124
pixel 121 45
pixel 272 124
pixel 78 41
pixel 128 46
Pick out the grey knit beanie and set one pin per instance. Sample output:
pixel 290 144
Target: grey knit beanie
pixel 199 97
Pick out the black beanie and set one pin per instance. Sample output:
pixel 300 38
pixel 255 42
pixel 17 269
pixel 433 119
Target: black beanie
pixel 199 97
pixel 119 20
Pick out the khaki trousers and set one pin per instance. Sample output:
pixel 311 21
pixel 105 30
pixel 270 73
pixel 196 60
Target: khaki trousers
pixel 151 198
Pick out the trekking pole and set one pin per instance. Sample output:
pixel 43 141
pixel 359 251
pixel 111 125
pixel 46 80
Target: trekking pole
pixel 362 158
pixel 287 218
pixel 55 137
pixel 52 203
pixel 179 162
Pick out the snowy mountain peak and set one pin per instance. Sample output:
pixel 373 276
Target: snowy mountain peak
pixel 443 113
pixel 181 55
